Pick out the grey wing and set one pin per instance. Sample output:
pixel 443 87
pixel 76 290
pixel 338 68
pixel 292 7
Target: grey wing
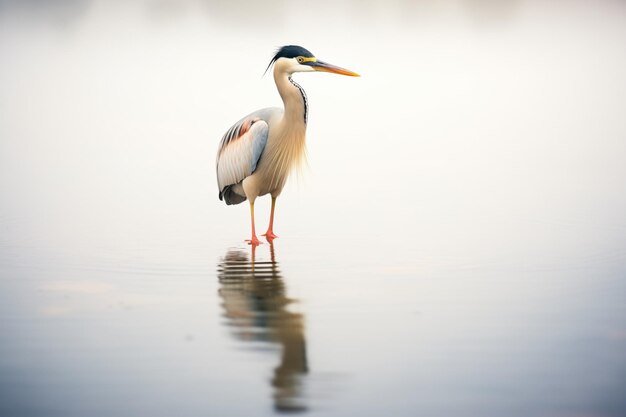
pixel 241 148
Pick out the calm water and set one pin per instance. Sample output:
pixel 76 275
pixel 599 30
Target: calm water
pixel 456 247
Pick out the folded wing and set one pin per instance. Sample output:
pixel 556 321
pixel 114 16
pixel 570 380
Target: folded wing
pixel 240 151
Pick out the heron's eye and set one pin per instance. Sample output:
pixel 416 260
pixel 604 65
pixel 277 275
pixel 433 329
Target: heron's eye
pixel 300 59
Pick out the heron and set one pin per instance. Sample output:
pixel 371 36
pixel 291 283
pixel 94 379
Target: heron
pixel 257 154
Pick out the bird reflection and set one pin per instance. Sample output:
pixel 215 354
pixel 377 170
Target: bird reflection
pixel 255 303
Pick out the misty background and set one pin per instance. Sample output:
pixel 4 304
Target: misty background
pixel 461 216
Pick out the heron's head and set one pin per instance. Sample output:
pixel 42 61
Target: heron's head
pixel 294 58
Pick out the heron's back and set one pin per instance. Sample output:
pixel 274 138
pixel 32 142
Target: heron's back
pixel 241 151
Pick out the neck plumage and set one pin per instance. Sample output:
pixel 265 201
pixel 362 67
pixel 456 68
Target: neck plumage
pixel 294 98
pixel 287 149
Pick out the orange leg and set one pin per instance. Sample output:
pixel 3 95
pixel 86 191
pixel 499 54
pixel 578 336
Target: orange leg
pixel 270 230
pixel 254 240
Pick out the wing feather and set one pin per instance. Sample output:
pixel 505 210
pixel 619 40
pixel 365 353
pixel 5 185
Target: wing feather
pixel 240 150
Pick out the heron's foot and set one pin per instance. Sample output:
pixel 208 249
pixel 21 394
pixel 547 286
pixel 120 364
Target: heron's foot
pixel 254 241
pixel 270 235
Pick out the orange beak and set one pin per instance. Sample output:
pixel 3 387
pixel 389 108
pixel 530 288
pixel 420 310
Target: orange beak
pixel 326 67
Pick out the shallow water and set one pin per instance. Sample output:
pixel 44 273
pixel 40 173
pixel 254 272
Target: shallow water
pixel 457 245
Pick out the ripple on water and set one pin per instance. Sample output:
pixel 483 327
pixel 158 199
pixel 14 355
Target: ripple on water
pixel 255 306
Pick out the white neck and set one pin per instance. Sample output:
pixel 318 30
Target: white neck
pixel 294 98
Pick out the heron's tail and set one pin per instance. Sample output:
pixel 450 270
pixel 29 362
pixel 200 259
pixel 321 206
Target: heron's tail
pixel 230 196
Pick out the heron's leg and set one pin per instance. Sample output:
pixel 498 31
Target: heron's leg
pixel 254 240
pixel 270 230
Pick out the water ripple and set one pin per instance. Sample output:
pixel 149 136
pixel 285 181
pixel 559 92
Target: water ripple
pixel 255 305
